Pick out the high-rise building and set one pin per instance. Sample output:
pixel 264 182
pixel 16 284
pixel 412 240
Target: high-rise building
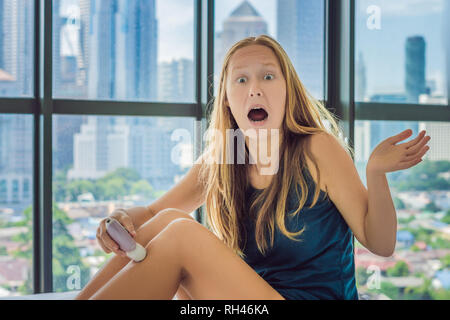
pixel 16 171
pixel 102 57
pixel 108 143
pixel 17 44
pixel 439 146
pixel 244 21
pixel 361 80
pixel 447 44
pixel 123 50
pixel 69 64
pixel 91 149
pixel 415 68
pixel 300 31
pixel 136 50
pixel 2 12
pixel 64 129
pixel 176 81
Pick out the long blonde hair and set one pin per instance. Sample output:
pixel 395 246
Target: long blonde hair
pixel 225 184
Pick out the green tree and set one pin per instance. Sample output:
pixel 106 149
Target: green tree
pixel 126 174
pixel 399 204
pixel 77 187
pixel 59 185
pixel 424 177
pixel 390 290
pixel 440 294
pixel 361 276
pixel 3 251
pixel 431 206
pixel 424 292
pixel 440 243
pixel 65 253
pixel 142 187
pixel 446 218
pixel 116 184
pixel 445 260
pixel 399 270
pixel 113 188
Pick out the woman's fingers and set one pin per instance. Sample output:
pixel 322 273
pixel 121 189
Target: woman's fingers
pixel 101 244
pixel 106 242
pixel 126 221
pixel 408 164
pixel 416 155
pixel 415 140
pixel 412 151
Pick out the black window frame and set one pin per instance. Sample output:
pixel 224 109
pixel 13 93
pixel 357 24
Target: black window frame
pixel 339 82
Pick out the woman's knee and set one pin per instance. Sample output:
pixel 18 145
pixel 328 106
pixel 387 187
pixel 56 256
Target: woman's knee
pixel 173 213
pixel 159 222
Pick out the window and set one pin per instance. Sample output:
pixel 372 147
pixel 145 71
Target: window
pixel 130 54
pixel 16 48
pixel 421 197
pixel 102 163
pixel 124 50
pixel 402 51
pixel 16 166
pixel 297 25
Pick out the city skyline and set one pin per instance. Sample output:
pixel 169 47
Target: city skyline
pixel 385 70
pixel 99 47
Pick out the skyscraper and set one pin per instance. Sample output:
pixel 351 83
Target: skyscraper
pixel 300 30
pixel 2 12
pixel 64 129
pixel 123 50
pixel 102 57
pixel 447 43
pixel 16 172
pixel 17 43
pixel 361 81
pixel 414 68
pixel 176 81
pixel 136 50
pixel 69 63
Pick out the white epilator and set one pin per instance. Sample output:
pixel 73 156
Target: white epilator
pixel 126 243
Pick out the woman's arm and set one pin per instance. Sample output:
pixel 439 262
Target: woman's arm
pixel 380 223
pixel 369 213
pixel 140 215
pixel 187 195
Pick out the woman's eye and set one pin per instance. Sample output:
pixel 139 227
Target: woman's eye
pixel 270 75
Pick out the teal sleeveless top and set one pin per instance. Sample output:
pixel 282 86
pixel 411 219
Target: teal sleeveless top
pixel 321 266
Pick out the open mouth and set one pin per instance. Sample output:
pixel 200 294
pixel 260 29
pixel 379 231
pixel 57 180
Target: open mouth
pixel 257 114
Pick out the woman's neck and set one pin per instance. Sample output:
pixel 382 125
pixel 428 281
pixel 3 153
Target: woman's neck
pixel 264 155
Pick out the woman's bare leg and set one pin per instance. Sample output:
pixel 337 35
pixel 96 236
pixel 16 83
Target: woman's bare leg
pixel 187 253
pixel 143 236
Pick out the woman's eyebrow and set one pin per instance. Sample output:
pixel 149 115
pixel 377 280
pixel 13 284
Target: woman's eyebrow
pixel 264 64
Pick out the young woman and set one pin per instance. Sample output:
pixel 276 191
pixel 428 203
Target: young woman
pixel 282 235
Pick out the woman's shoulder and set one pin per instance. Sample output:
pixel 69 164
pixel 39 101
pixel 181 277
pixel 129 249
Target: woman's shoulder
pixel 312 159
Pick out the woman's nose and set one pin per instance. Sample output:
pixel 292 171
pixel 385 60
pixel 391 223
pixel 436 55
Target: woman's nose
pixel 257 92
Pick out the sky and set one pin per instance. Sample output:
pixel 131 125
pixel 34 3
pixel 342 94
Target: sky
pixel 176 23
pixel 383 49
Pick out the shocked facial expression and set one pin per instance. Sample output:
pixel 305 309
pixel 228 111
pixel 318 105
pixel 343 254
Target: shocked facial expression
pixel 256 89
